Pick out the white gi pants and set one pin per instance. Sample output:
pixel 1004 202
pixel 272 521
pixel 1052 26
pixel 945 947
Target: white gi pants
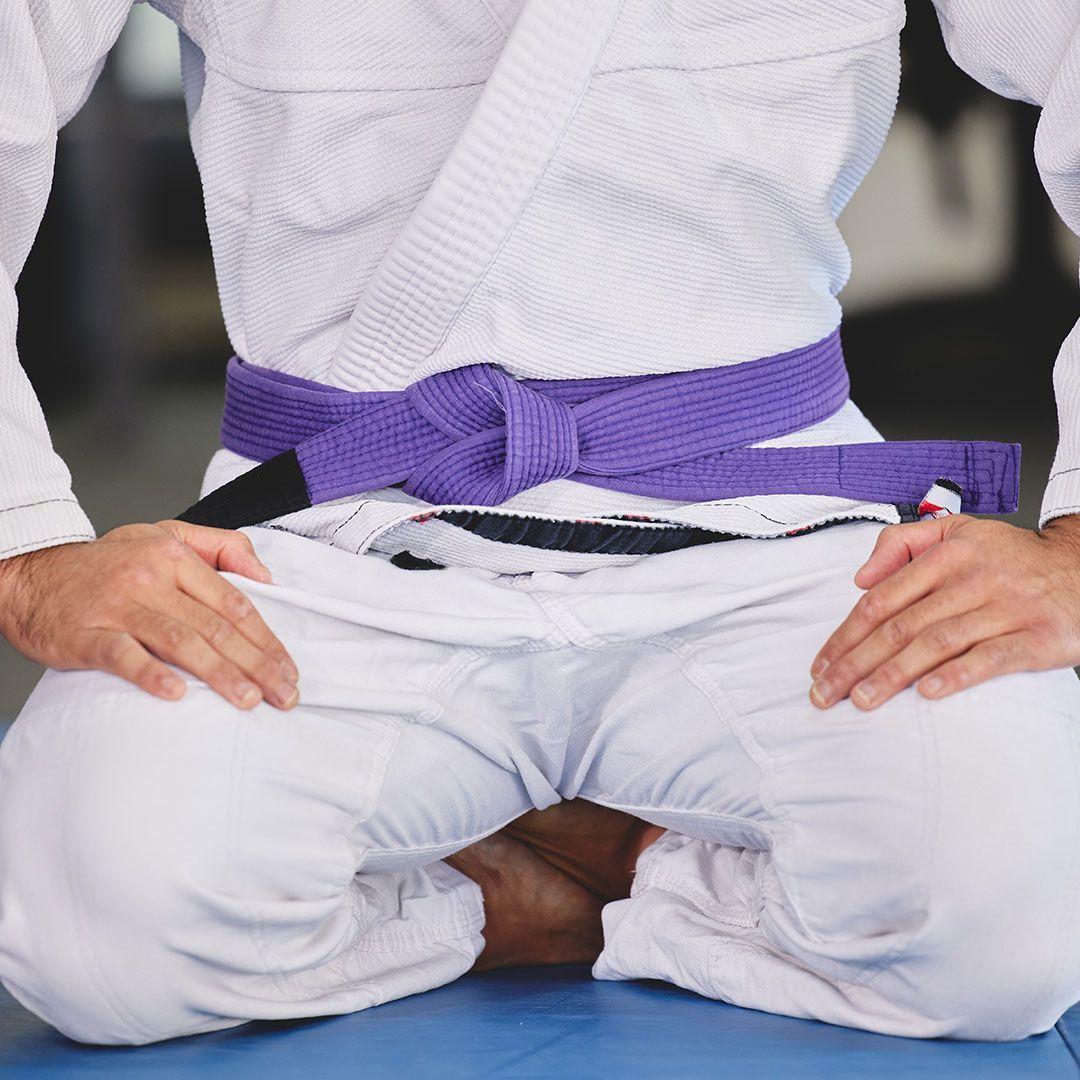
pixel 168 868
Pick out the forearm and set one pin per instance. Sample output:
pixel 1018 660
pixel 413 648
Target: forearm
pixel 50 52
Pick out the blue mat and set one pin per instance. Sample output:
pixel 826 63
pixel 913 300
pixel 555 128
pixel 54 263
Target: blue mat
pixel 546 1023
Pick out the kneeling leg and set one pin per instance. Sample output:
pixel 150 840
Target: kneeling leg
pixel 175 867
pixel 919 873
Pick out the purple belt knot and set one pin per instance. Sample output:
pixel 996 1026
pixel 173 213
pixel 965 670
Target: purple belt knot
pixel 506 436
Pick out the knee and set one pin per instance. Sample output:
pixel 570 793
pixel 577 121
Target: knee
pixel 945 887
pixel 1000 945
pixel 111 857
pixel 159 861
pixel 986 952
pixel 982 969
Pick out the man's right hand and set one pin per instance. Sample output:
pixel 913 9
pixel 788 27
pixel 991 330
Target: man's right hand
pixel 144 594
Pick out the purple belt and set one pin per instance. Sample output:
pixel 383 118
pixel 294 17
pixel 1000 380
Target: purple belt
pixel 475 436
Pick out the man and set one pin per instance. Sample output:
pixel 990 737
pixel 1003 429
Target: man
pixel 430 220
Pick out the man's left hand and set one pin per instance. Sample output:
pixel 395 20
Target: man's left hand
pixel 951 602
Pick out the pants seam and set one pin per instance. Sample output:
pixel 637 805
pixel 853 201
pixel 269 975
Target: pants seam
pixel 744 918
pixel 377 775
pixel 732 944
pixel 697 674
pixel 448 670
pixel 557 609
pixel 778 819
pixel 521 583
pixel 463 657
pixel 439 933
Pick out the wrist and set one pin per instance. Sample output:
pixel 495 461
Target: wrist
pixel 1063 533
pixel 16 573
pixel 11 570
pixel 1068 525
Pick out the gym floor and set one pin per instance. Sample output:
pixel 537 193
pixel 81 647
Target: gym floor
pixel 541 1023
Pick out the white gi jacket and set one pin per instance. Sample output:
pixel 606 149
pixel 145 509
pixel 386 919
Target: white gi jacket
pixel 563 187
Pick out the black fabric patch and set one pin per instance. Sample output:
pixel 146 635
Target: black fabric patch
pixel 269 490
pixel 408 561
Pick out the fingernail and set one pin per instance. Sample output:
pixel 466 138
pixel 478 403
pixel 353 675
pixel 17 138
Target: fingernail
pixel 288 669
pixel 820 664
pixel 821 693
pixel 286 698
pixel 864 694
pixel 264 575
pixel 247 693
pixel 932 685
pixel 171 686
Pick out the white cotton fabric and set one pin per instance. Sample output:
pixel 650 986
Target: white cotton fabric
pixel 174 867
pixel 587 188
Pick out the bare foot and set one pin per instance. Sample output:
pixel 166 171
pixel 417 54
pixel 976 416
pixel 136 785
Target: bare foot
pixel 533 913
pixel 596 847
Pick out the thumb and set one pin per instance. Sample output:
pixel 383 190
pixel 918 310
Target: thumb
pixel 223 549
pixel 897 545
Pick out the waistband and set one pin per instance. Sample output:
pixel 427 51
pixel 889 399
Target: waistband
pixel 474 436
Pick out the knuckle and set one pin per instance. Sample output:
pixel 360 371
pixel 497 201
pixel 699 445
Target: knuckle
pixel 169 547
pixel 1044 643
pixel 891 675
pixel 896 633
pixel 842 673
pixel 218 632
pixel 176 635
pixel 237 605
pixel 265 670
pixel 135 577
pixel 941 638
pixel 278 652
pixel 871 606
pixel 940 556
pixel 241 540
pixel 993 655
pixel 1014 649
pixel 113 651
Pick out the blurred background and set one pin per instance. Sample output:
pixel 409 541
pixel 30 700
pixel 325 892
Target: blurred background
pixel 964 284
